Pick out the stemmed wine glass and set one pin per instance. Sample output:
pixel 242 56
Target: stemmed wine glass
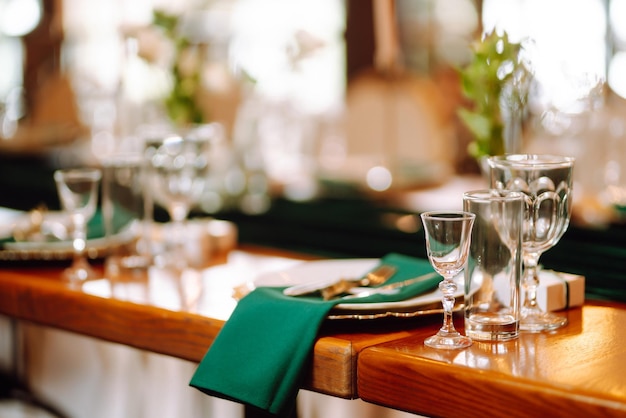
pixel 179 168
pixel 78 193
pixel 546 182
pixel 448 235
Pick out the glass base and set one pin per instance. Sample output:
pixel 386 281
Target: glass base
pixel 448 341
pixel 80 272
pixel 538 321
pixel 127 267
pixel 171 261
pixel 491 326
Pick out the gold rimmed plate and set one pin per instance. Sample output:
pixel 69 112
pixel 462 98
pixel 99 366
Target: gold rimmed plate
pixel 312 271
pixel 49 249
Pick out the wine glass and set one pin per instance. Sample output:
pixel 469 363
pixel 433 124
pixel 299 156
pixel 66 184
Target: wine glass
pixel 546 182
pixel 78 193
pixel 448 235
pixel 179 169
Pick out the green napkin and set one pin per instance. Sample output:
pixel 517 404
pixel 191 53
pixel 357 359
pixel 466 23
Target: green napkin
pixel 259 355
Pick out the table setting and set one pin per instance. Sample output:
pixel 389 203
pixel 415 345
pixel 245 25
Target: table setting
pixel 77 231
pixel 259 356
pixel 42 235
pixel 262 353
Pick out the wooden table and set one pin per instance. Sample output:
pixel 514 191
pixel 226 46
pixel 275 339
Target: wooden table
pixel 577 371
pixel 178 317
pixel 580 369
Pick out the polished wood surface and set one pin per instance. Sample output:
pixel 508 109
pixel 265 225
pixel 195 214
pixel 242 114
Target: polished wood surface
pixel 579 370
pixel 175 316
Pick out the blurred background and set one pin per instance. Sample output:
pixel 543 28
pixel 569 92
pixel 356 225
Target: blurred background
pixel 316 97
pixel 340 122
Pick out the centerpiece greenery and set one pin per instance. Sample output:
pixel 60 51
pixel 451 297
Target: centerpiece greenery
pixel 496 84
pixel 181 104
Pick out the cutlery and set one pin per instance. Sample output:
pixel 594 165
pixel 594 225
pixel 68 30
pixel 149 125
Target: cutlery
pixel 331 289
pixel 390 288
pixel 374 278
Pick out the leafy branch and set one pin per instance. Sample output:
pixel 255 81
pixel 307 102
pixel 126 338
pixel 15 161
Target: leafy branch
pixel 496 62
pixel 181 104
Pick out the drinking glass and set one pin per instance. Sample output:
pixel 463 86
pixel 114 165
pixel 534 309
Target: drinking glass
pixel 179 169
pixel 448 235
pixel 494 265
pixel 546 182
pixel 78 193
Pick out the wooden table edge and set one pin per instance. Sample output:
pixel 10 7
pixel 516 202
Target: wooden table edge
pixel 376 363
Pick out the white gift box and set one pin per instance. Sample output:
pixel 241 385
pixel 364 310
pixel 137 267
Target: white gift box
pixel 559 290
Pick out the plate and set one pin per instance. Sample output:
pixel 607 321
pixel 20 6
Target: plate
pixel 8 219
pixel 50 248
pixel 331 270
pixel 56 250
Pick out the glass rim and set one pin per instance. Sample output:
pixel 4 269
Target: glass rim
pixel 444 214
pixel 487 195
pixel 87 172
pixel 126 159
pixel 531 160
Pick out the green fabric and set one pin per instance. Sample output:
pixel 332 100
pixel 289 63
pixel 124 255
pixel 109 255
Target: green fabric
pixel 259 355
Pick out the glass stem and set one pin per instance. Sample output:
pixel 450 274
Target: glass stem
pixel 179 223
pixel 448 287
pixel 79 239
pixel 178 236
pixel 531 281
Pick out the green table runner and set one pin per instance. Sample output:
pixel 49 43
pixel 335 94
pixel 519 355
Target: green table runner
pixel 259 355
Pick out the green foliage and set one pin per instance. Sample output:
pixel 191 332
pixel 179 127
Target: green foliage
pixel 167 22
pixel 494 63
pixel 180 104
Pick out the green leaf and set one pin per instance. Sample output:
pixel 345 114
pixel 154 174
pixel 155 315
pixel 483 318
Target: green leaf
pixel 479 125
pixel 495 61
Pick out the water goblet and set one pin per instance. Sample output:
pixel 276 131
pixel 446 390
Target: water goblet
pixel 78 193
pixel 546 182
pixel 178 172
pixel 448 235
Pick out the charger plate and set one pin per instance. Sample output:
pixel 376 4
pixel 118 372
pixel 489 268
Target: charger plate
pixel 52 250
pixel 332 270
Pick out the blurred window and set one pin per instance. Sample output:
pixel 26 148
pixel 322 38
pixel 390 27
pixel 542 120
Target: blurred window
pixel 571 45
pixel 288 46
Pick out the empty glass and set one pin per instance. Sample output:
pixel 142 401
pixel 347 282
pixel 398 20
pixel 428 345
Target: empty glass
pixel 179 167
pixel 494 266
pixel 546 182
pixel 448 235
pixel 78 193
pixel 126 221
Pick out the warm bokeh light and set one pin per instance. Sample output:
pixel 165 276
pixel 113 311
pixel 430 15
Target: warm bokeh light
pixel 19 17
pixel 617 66
pixel 569 57
pixel 379 178
pixel 293 49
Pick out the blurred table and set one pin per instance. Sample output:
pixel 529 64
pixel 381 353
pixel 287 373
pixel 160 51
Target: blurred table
pixel 579 370
pixel 345 222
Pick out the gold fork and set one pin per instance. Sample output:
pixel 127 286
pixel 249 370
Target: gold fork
pixel 375 277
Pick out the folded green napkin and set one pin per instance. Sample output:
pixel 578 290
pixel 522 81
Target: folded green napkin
pixel 259 355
